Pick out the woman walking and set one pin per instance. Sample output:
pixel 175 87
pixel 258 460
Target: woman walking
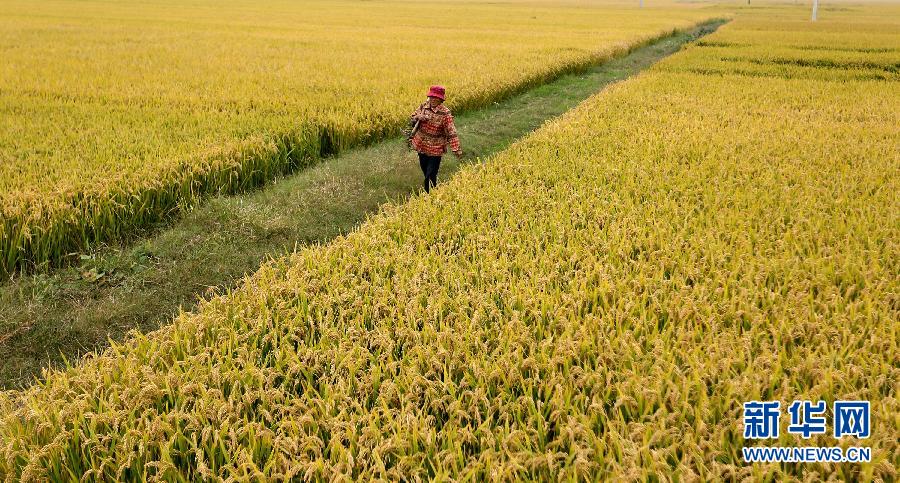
pixel 434 131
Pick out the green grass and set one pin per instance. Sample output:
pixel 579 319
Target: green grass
pixel 47 317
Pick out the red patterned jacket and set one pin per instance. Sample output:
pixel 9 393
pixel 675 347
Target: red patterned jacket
pixel 435 131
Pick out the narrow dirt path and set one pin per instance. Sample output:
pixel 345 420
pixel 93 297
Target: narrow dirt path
pixel 45 318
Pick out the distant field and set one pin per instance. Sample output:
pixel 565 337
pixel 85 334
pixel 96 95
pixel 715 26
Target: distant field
pixel 596 302
pixel 116 113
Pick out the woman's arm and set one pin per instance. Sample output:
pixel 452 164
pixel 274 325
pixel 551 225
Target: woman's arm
pixel 452 136
pixel 418 115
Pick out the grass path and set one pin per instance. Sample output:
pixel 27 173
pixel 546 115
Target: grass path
pixel 47 317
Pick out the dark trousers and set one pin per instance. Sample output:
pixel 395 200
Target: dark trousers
pixel 430 166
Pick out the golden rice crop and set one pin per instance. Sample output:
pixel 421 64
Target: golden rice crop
pixel 596 302
pixel 116 114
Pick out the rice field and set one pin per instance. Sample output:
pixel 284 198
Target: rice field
pixel 596 302
pixel 116 115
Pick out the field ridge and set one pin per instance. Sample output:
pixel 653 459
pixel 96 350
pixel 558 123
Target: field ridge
pixel 77 309
pixel 35 232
